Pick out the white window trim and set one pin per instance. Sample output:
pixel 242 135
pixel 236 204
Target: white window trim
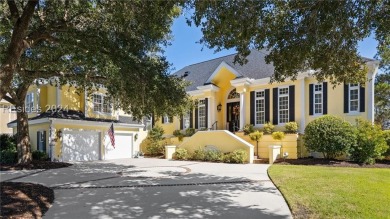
pixel 28 108
pixel 314 99
pixel 166 119
pixel 201 105
pixel 259 98
pixel 288 104
pixel 98 112
pixel 357 87
pixel 187 115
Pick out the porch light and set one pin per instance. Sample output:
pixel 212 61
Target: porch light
pixel 219 107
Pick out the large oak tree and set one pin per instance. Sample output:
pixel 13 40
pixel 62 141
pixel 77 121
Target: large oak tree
pixel 87 44
pixel 299 34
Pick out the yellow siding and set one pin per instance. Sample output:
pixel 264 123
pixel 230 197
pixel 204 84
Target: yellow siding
pixel 43 98
pixel 33 129
pixel 51 95
pixel 70 99
pixel 168 127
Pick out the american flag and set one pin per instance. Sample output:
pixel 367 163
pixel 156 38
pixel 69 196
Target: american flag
pixel 111 134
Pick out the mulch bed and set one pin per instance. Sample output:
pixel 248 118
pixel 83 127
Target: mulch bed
pixel 35 164
pixel 333 163
pixel 24 200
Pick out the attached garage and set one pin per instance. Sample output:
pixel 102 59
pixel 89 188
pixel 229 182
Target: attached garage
pixel 123 146
pixel 80 146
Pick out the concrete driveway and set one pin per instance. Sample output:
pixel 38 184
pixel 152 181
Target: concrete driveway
pixel 156 188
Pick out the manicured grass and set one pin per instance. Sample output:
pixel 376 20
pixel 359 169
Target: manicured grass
pixel 334 192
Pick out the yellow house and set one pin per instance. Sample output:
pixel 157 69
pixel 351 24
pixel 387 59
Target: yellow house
pixel 229 96
pixel 72 126
pixel 7 114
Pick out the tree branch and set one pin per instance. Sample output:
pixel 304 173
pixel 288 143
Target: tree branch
pixel 13 9
pixel 9 99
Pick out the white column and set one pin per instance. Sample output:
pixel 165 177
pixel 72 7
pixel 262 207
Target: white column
pixel 370 91
pixel 210 112
pixel 242 110
pixel 303 106
pixel 52 141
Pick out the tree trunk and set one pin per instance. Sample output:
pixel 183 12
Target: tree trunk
pixel 23 137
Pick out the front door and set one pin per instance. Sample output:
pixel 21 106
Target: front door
pixel 233 116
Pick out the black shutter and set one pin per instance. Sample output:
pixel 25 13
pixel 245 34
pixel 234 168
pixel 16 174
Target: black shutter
pixel 266 105
pixel 181 122
pixel 252 107
pixel 325 98
pixel 291 94
pixel 162 119
pixel 170 119
pixel 311 102
pixel 346 99
pixel 362 94
pixel 44 141
pixel 192 118
pixel 196 118
pixel 38 140
pixel 206 100
pixel 153 120
pixel 275 106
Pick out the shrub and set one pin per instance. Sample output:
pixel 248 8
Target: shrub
pixel 237 156
pixel 155 148
pixel 190 132
pixel 213 156
pixel 199 154
pixel 156 133
pixel 8 156
pixel 329 135
pixel 178 134
pixel 268 128
pixel 180 154
pixel 291 127
pixel 248 128
pixel 370 145
pixel 7 142
pixel 386 134
pixel 278 136
pixel 39 155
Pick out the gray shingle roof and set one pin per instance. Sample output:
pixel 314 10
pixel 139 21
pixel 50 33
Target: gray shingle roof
pixel 255 68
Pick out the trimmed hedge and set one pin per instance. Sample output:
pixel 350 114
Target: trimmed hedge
pixel 181 154
pixel 329 135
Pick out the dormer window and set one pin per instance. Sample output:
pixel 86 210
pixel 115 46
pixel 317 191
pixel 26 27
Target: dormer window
pixel 29 102
pixel 101 103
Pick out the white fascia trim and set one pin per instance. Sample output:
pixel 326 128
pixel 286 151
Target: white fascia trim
pixel 195 93
pixel 241 82
pixel 94 123
pixel 209 87
pixel 31 122
pixel 220 66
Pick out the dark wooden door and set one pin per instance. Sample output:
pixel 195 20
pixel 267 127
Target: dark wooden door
pixel 233 116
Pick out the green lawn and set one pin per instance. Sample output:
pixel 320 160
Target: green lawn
pixel 334 192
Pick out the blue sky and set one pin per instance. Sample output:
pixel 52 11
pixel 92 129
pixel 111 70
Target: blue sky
pixel 186 51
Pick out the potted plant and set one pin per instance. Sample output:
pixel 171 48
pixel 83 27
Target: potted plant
pixel 256 136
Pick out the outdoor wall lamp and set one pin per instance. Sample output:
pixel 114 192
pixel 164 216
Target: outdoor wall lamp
pixel 219 107
pixel 59 134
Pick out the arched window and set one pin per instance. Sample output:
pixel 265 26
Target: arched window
pixel 233 94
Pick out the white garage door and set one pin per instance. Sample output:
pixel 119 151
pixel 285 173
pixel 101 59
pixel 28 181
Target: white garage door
pixel 123 146
pixel 80 146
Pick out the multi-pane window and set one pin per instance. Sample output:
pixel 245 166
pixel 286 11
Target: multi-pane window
pixel 353 97
pixel 29 102
pixel 318 99
pixel 186 120
pixel 165 119
pixel 101 103
pixel 260 107
pixel 283 105
pixel 202 114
